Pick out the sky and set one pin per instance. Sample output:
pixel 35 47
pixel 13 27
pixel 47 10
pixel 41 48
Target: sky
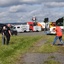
pixel 16 11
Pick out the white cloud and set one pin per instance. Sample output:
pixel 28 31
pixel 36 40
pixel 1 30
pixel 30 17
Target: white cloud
pixel 3 14
pixel 18 2
pixel 55 4
pixel 28 0
pixel 23 10
pixel 18 8
pixel 15 8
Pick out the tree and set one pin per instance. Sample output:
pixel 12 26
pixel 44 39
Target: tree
pixel 46 20
pixel 59 22
pixel 46 23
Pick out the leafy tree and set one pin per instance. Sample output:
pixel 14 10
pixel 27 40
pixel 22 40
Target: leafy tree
pixel 46 20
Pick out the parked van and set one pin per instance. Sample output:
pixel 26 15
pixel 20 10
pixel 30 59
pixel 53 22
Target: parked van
pixel 21 28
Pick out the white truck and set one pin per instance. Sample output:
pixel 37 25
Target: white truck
pixel 52 26
pixel 51 31
pixel 37 28
pixel 22 28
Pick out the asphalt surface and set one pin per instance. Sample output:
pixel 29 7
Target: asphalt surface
pixel 31 33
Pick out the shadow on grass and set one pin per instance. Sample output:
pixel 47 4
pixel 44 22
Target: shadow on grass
pixel 58 44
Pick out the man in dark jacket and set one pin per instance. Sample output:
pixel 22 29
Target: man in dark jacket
pixel 6 33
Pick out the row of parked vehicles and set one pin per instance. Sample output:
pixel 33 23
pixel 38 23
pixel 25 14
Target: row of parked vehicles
pixel 29 26
pixel 35 27
pixel 32 26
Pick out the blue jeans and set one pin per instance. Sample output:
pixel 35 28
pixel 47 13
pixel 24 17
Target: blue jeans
pixel 60 39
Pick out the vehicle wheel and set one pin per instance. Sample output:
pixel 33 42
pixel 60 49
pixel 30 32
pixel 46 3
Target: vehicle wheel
pixel 15 33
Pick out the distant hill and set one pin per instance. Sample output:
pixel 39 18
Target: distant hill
pixel 14 23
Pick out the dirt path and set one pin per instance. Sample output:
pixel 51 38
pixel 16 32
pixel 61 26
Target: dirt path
pixel 39 58
pixel 32 57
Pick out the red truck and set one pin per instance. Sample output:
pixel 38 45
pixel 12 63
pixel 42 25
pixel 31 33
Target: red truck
pixel 33 26
pixel 30 25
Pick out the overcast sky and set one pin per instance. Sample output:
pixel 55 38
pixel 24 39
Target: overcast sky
pixel 24 10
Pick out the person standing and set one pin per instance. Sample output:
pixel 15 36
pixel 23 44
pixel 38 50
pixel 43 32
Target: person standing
pixel 6 33
pixel 3 34
pixel 58 35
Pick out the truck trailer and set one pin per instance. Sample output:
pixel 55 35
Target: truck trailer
pixel 33 26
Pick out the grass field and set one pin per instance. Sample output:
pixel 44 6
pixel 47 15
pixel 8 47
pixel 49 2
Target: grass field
pixel 18 45
pixel 9 54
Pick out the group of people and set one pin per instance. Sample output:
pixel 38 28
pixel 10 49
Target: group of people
pixel 6 33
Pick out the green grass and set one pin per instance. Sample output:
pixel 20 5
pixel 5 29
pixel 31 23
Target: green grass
pixel 9 54
pixel 19 45
pixel 51 62
pixel 51 57
pixel 48 48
